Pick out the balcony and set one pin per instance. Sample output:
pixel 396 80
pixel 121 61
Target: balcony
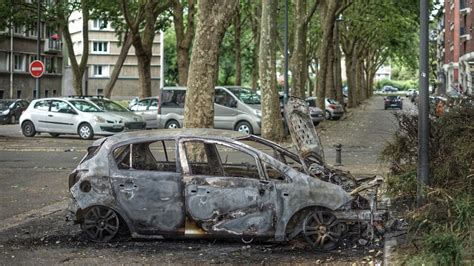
pixel 52 46
pixel 464 34
pixel 464 7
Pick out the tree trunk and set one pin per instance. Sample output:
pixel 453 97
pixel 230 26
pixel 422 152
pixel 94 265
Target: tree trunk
pixel 78 69
pixel 330 75
pixel 143 34
pixel 328 16
pixel 118 65
pixel 351 81
pixel 298 62
pixel 316 75
pixel 272 127
pixel 212 23
pixel 184 37
pixel 256 44
pixel 337 67
pixel 238 61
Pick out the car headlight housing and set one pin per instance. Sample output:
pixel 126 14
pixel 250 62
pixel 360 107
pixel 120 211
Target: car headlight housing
pixel 99 119
pixel 257 112
pixel 6 112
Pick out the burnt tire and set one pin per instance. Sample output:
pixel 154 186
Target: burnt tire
pixel 85 131
pixel 28 129
pixel 322 230
pixel 172 124
pixel 101 224
pixel 244 127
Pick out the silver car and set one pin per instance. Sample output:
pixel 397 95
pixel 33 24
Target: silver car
pixel 332 108
pixel 132 121
pixel 148 109
pixel 154 184
pixel 58 116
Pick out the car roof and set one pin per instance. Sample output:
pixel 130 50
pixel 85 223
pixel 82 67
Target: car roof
pixel 60 98
pixel 173 133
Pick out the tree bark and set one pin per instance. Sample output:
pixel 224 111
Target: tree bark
pixel 255 24
pixel 184 37
pixel 328 16
pixel 212 23
pixel 118 65
pixel 330 75
pixel 237 40
pixel 272 127
pixel 298 62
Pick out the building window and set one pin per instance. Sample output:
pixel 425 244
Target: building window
pixel 101 71
pixel 33 30
pixel 46 93
pixel 1 94
pixel 99 24
pixel 19 30
pixel 19 63
pixel 54 92
pixel 18 94
pixel 100 91
pixel 100 47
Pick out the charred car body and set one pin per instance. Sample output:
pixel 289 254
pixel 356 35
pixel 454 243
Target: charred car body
pixel 216 183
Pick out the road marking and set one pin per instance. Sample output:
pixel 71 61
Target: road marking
pixel 32 215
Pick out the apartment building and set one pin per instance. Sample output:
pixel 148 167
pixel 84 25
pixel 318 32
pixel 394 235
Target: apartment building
pixel 458 44
pixel 104 51
pixel 18 50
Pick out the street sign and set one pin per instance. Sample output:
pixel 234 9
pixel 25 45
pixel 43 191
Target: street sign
pixel 36 69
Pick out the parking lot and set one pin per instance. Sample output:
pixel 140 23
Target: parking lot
pixel 33 180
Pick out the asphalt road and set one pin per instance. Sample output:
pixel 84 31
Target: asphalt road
pixel 33 186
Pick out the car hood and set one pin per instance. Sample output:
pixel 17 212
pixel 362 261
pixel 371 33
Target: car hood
pixel 303 133
pixel 128 116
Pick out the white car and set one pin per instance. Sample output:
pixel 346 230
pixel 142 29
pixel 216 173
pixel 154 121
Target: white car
pixel 410 92
pixel 58 116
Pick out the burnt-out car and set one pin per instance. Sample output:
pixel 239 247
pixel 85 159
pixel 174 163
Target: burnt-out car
pixel 209 183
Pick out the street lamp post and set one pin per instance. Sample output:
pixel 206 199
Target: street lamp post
pixel 423 119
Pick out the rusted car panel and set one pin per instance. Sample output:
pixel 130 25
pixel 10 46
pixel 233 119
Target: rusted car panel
pixel 153 184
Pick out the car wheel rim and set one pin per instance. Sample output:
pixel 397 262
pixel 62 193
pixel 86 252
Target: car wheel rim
pixel 28 129
pixel 101 224
pixel 173 125
pixel 244 128
pixel 322 230
pixel 85 132
pixel 327 115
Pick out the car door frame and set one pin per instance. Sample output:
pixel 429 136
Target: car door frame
pixel 127 183
pixel 196 185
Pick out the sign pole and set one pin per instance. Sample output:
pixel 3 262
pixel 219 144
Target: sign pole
pixel 38 47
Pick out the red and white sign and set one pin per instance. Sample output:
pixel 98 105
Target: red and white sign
pixel 37 69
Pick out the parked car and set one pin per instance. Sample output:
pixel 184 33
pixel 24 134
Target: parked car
pixel 317 115
pixel 389 89
pixel 58 116
pixel 147 108
pixel 148 182
pixel 11 110
pixel 333 109
pixel 235 108
pixel 410 92
pixel 393 101
pixel 132 121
